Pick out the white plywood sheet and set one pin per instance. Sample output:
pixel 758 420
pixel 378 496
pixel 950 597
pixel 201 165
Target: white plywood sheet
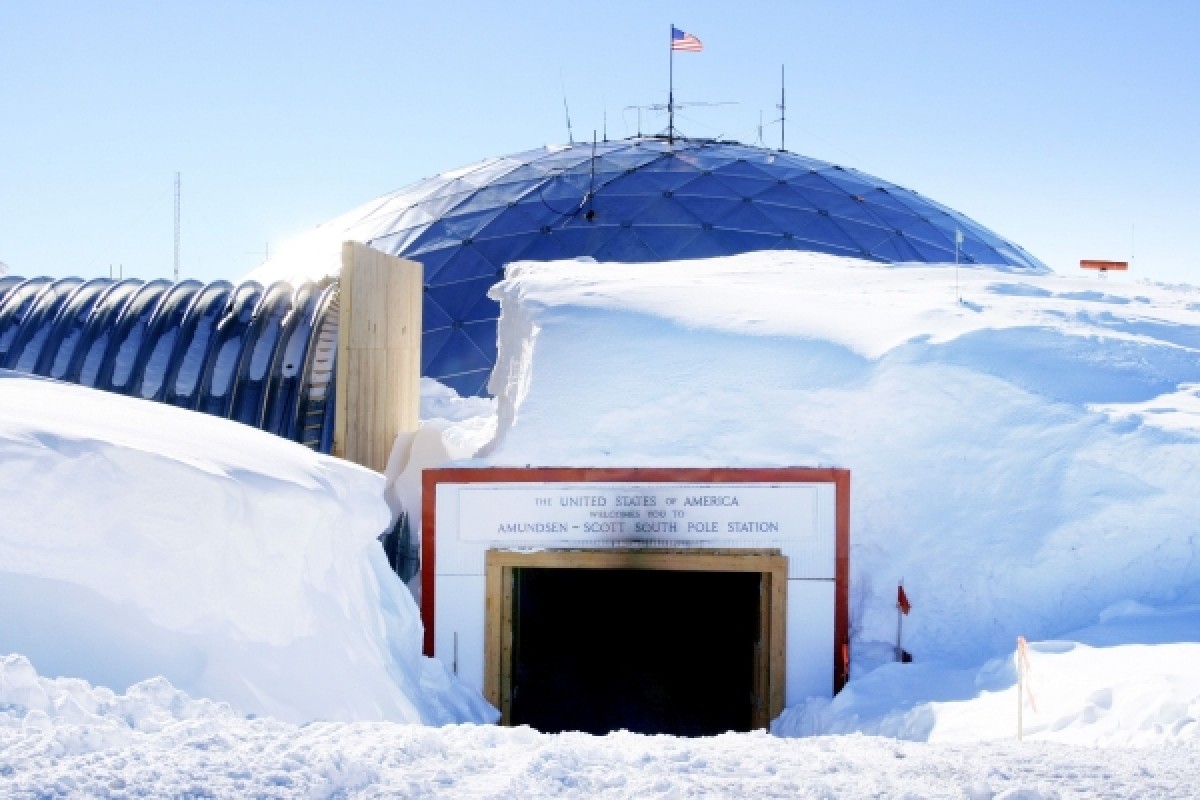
pixel 810 606
pixel 459 619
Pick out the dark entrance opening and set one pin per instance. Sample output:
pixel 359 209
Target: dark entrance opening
pixel 650 651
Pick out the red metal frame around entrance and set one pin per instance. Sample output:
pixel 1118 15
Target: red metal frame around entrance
pixel 839 477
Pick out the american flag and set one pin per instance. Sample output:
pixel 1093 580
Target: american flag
pixel 684 41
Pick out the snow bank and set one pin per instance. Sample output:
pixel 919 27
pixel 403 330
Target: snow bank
pixel 1133 679
pixel 139 540
pixel 1022 459
pixel 66 738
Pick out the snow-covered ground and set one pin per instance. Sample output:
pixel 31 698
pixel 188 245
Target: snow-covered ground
pixel 1026 460
pixel 151 742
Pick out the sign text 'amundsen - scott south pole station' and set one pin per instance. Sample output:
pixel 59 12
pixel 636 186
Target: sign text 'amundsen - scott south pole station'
pixel 556 512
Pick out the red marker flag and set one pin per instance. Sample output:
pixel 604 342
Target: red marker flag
pixel 902 600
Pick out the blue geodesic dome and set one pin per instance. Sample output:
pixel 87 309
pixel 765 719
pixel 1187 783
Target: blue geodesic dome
pixel 638 200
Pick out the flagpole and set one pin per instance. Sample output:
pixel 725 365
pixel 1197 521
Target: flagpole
pixel 671 86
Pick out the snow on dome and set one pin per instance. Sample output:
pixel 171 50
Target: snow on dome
pixel 141 540
pixel 633 200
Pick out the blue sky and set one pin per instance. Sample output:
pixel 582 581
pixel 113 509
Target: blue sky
pixel 1070 127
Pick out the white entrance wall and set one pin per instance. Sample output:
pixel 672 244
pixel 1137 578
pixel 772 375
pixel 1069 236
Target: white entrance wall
pixel 471 514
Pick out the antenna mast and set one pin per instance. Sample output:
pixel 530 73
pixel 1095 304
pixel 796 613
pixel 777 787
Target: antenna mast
pixel 570 136
pixel 177 227
pixel 782 109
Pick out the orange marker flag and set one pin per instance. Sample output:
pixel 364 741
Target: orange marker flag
pixel 902 600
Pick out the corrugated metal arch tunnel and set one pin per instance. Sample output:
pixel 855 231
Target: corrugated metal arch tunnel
pixel 263 356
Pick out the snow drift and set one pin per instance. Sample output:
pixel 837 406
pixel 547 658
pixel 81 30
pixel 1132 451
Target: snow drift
pixel 1023 458
pixel 138 540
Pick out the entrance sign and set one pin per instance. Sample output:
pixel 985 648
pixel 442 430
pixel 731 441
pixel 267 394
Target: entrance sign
pixel 480 527
pixel 629 512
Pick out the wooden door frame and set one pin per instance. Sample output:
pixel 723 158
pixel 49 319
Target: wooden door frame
pixel 839 478
pixel 769 657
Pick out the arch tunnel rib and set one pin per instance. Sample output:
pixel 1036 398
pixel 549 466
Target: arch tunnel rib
pixel 263 356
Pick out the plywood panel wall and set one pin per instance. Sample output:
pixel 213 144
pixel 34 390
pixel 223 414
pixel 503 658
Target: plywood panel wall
pixel 379 354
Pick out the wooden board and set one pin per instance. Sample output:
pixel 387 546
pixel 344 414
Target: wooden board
pixel 379 354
